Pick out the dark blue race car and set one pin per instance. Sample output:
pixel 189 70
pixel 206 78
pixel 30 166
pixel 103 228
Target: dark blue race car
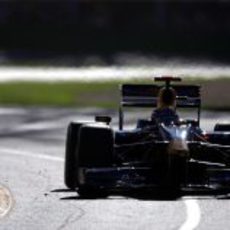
pixel 155 156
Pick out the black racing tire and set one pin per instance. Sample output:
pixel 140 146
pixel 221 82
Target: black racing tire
pixel 222 127
pixel 95 150
pixel 71 165
pixel 96 146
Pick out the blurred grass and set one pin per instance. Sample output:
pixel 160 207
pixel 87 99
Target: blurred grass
pixel 59 94
pixel 215 93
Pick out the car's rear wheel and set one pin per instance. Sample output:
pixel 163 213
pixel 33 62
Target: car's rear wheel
pixel 71 165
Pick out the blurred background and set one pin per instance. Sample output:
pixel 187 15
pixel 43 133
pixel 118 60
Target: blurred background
pixel 50 29
pixel 75 40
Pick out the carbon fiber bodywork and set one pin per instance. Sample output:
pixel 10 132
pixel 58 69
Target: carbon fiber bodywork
pixel 175 157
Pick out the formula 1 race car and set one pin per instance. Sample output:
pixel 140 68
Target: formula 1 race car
pixel 170 159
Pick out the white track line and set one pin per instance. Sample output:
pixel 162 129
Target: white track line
pixel 193 215
pixel 193 210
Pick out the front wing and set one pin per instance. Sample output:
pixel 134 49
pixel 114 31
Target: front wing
pixel 206 170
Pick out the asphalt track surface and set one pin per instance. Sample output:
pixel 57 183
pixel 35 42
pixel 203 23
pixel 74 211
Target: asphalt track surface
pixel 31 170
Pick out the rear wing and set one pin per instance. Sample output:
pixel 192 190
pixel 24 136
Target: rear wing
pixel 134 95
pixel 143 95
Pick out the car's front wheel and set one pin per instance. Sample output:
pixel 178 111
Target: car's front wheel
pixel 71 162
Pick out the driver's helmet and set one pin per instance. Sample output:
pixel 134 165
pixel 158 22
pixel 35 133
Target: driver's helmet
pixel 165 112
pixel 166 98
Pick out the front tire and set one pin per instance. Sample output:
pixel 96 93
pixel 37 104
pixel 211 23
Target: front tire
pixel 96 146
pixel 71 165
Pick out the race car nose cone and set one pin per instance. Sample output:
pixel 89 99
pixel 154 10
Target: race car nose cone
pixel 178 147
